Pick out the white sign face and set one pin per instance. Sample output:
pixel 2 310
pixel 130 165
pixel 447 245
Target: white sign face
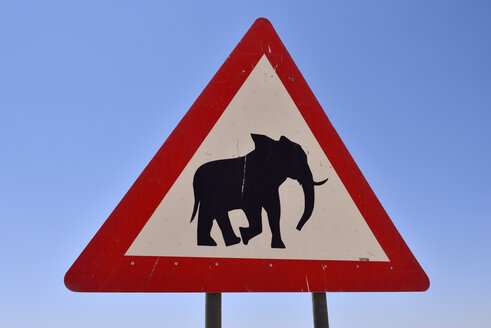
pixel 336 229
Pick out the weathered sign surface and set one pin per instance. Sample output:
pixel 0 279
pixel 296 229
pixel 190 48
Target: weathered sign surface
pixel 252 191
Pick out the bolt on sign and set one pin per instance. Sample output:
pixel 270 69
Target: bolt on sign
pixel 253 191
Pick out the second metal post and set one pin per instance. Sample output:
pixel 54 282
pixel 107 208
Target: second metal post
pixel 319 309
pixel 213 310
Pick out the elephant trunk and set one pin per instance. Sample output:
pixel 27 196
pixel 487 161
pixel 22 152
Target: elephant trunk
pixel 308 183
pixel 308 190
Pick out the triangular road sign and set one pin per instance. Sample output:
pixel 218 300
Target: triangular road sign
pixel 247 166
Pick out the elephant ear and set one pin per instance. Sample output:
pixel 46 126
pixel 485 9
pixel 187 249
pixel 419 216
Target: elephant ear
pixel 261 141
pixel 292 149
pixel 285 140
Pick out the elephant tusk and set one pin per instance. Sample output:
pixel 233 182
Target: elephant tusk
pixel 320 182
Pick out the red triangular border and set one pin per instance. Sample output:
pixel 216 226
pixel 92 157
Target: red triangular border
pixel 102 266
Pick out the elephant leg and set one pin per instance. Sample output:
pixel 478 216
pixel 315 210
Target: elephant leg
pixel 272 207
pixel 228 233
pixel 205 222
pixel 255 224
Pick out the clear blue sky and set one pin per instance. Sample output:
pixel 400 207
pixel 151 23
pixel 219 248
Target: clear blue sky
pixel 90 90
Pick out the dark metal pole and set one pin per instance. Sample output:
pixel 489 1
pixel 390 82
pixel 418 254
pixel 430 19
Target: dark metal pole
pixel 213 308
pixel 319 308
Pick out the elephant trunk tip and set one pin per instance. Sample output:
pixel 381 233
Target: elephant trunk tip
pixel 300 225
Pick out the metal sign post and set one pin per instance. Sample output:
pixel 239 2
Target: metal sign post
pixel 319 309
pixel 213 309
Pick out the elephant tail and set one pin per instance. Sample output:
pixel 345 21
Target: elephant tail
pixel 196 199
pixel 195 209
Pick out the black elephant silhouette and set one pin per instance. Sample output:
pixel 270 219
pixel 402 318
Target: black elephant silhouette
pixel 251 183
